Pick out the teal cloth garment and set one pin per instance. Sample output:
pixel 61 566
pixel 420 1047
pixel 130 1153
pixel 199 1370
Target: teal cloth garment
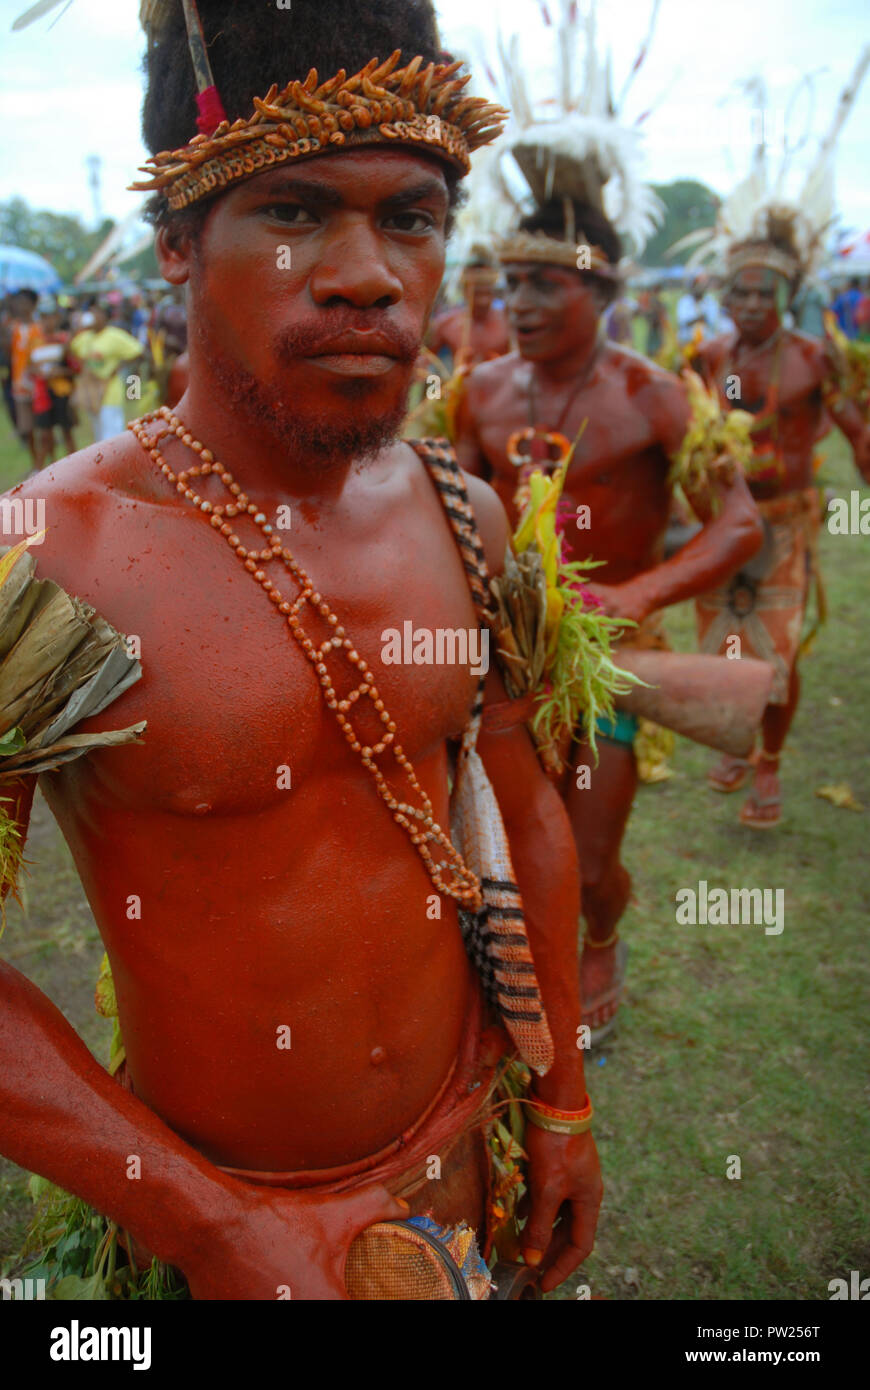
pixel 621 729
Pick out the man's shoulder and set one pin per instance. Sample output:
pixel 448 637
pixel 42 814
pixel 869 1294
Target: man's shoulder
pixel 489 515
pixel 488 374
pixel 712 351
pixel 446 324
pixel 492 521
pixel 639 372
pixel 813 350
pixel 95 470
pixel 70 496
pixel 452 314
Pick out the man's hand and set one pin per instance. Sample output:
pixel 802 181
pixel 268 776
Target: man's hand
pixel 562 1171
pixel 627 600
pixel 280 1241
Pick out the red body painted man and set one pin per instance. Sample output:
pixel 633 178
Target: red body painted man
pixel 788 381
pixel 477 330
pixel 278 894
pixel 769 243
pixel 530 405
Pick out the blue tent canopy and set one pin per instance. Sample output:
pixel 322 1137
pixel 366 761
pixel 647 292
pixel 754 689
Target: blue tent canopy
pixel 20 270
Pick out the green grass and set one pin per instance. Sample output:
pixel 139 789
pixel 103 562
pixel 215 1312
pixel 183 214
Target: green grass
pixel 734 1042
pixel 731 1042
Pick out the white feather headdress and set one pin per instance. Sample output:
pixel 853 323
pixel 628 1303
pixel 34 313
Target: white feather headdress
pixel 566 138
pixel 757 224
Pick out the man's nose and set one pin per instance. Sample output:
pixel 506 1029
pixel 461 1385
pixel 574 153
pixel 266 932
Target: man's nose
pixel 354 268
pixel 520 298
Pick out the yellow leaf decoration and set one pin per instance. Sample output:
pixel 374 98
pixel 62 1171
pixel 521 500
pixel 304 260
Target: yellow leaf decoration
pixel 552 636
pixel 840 794
pixel 14 553
pixel 714 441
pixel 104 994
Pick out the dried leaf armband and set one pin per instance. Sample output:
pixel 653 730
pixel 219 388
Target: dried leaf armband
pixel 716 441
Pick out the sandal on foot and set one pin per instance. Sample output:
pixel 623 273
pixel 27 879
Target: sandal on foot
pixel 612 995
pixel 739 768
pixel 754 804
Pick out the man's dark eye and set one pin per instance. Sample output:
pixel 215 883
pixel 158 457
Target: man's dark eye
pixel 292 213
pixel 411 221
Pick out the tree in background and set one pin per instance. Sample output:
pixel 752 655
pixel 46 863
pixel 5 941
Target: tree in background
pixel 61 238
pixel 689 205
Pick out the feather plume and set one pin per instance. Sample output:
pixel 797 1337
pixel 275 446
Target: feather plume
pixel 152 13
pixel 35 12
pixel 568 141
pixel 758 209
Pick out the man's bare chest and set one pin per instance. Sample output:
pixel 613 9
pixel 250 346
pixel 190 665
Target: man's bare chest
pixel 615 446
pixel 235 708
pixel 784 384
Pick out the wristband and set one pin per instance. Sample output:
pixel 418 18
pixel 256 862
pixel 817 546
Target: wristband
pixel 560 1121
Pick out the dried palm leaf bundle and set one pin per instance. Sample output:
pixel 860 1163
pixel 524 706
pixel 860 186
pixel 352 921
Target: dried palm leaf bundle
pixel 60 663
pixel 553 640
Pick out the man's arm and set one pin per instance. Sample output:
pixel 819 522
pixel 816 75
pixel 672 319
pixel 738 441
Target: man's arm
pixel 437 337
pixel 847 415
pixel 732 530
pixel 563 1170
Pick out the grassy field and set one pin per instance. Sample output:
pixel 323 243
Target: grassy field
pixel 732 1042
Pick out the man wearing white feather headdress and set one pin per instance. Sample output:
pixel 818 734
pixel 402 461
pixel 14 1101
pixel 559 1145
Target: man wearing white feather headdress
pixel 795 387
pixel 622 422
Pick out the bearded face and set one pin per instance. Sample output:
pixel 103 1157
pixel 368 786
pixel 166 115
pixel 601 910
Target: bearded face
pixel 310 290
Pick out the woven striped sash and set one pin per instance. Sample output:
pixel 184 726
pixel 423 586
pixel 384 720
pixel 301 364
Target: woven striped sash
pixel 495 936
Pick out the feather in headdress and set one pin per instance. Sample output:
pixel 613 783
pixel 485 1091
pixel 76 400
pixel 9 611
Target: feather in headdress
pixel 569 141
pixel 152 13
pixel 758 212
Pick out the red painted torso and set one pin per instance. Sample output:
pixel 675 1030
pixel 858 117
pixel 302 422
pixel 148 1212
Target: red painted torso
pixel 789 382
pixel 619 469
pixel 261 906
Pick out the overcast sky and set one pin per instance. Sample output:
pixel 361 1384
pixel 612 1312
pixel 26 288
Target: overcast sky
pixel 75 89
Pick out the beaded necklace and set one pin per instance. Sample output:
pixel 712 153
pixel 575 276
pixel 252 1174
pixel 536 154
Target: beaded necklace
pixel 450 875
pixel 534 448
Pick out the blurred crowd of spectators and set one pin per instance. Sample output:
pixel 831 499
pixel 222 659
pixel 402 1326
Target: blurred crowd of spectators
pixel 72 361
